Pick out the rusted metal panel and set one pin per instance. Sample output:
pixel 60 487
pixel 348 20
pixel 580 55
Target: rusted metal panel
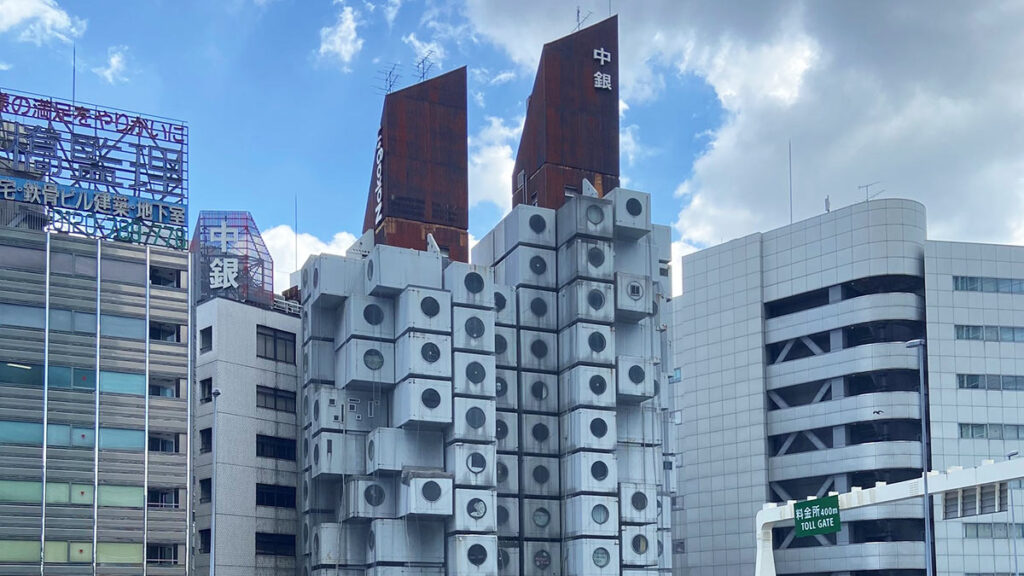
pixel 412 234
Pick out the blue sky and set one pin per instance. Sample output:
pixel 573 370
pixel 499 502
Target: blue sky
pixel 283 98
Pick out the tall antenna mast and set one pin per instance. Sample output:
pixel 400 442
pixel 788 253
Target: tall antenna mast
pixel 790 181
pixel 580 21
pixel 74 72
pixel 424 65
pixel 867 190
pixel 387 77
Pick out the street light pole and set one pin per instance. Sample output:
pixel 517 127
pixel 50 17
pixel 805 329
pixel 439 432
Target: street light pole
pixel 213 485
pixel 1013 519
pixel 929 568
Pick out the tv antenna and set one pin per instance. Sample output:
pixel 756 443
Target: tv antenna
pixel 868 195
pixel 580 21
pixel 424 65
pixel 387 77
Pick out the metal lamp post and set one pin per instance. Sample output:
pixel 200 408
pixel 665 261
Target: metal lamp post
pixel 213 485
pixel 929 568
pixel 1013 519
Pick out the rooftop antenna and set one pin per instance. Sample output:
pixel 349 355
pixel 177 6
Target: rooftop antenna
pixel 387 77
pixel 828 204
pixel 579 21
pixel 74 73
pixel 790 181
pixel 867 190
pixel 424 65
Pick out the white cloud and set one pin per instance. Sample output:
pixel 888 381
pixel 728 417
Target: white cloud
pixel 4 66
pixel 491 160
pixel 630 146
pixel 39 21
pixel 478 98
pixel 341 43
pixel 502 77
pixel 425 49
pixel 391 11
pixel 117 61
pixel 281 240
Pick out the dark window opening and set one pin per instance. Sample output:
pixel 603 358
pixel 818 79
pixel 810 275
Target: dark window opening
pixel 205 440
pixel 167 277
pixel 883 381
pixel 883 431
pixel 779 535
pixel 887 530
pixel 206 339
pixel 204 541
pixel 799 395
pixel 164 332
pixel 163 387
pixel 205 390
pixel 878 332
pixel 205 490
pixel 275 496
pixel 801 443
pixel 798 488
pixel 268 544
pixel 883 285
pixel 274 399
pixel 275 344
pixel 797 303
pixel 868 478
pixel 274 447
pixel 162 554
pixel 167 443
pixel 799 348
pixel 162 498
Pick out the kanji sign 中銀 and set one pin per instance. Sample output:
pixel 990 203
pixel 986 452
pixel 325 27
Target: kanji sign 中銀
pixel 818 516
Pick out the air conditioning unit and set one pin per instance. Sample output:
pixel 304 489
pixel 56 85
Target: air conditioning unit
pixel 639 464
pixel 475 511
pixel 634 297
pixel 390 269
pixel 588 429
pixel 470 285
pixel 542 558
pixel 405 541
pixel 638 503
pixel 538 392
pixel 592 557
pixel 586 386
pixel 586 301
pixel 529 225
pixel 336 454
pixel 634 377
pixel 506 388
pixel 538 434
pixel 591 516
pixel 425 355
pixel 366 317
pixel 584 216
pixel 507 474
pixel 507 517
pixel 539 476
pixel 338 545
pixel 425 493
pixel 586 259
pixel 527 266
pixel 639 424
pixel 472 420
pixel 367 497
pixel 584 343
pixel 471 464
pixel 541 519
pixel 424 310
pixel 318 362
pixel 506 431
pixel 591 472
pixel 506 347
pixel 365 365
pixel 473 330
pixel 538 309
pixel 639 546
pixel 420 403
pixel 472 555
pixel 508 558
pixel 393 449
pixel 632 213
pixel 538 351
pixel 474 374
pixel 505 308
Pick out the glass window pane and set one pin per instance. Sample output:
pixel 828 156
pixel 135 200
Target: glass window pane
pixel 21 433
pixel 55 552
pixel 58 493
pixel 60 377
pixel 121 496
pixel 18 374
pixel 19 551
pixel 1005 285
pixel 81 493
pixel 989 285
pixel 124 272
pixel 20 258
pixel 84 322
pixel 992 382
pixel 80 552
pixel 21 316
pixel 121 439
pixel 83 437
pixel 60 320
pixel 1006 333
pixel 84 379
pixel 18 491
pixel 116 553
pixel 991 333
pixel 58 435
pixel 122 327
pixel 123 383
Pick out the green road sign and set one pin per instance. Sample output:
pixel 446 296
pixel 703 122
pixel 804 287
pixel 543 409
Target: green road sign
pixel 820 516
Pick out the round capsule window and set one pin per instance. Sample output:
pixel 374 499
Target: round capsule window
pixel 502 515
pixel 599 513
pixel 316 454
pixel 305 447
pixel 537 223
pixel 503 558
pixel 430 307
pixel 598 427
pixel 597 342
pixel 539 390
pixel 373 314
pixel 499 301
pixel 637 374
pixel 599 470
pixel 638 500
pixel 540 432
pixel 595 299
pixel 373 359
pixel 541 517
pixel 542 559
pixel 474 327
pixel 500 344
pixel 595 256
pixel 316 410
pixel 374 495
pixel 538 306
pixel 475 372
pixel 431 491
pixel 476 554
pixel 500 387
pixel 369 270
pixel 539 348
pixel 476 462
pixel 661 548
pixel 316 545
pixel 601 557
pixel 474 283
pixel 538 266
pixel 476 508
pixel 476 418
pixel 639 544
pixel 430 352
pixel 634 207
pixel 500 429
pixel 540 474
pixel 594 214
pixel 502 472
pixel 370 449
pixel 635 290
pixel 371 540
pixel 431 398
pixel 598 384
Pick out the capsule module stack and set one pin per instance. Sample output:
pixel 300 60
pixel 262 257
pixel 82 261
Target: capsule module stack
pixel 501 417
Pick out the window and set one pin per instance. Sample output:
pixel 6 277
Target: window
pixel 205 490
pixel 204 541
pixel 112 326
pixel 275 344
pixel 30 433
pixel 992 431
pixel 20 316
pixel 162 498
pixel 990 333
pixel 163 387
pixel 206 339
pixel 274 447
pixel 205 440
pixel 121 439
pixel 276 496
pixel 164 332
pixel 989 382
pixel 275 544
pixel 33 259
pixel 994 530
pixel 123 383
pixel 73 378
pixel 168 277
pixel 122 271
pixel 162 554
pixel 205 390
pixel 120 496
pixel 115 553
pixel 274 399
pixel 163 443
pixel 19 374
pixel 988 284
